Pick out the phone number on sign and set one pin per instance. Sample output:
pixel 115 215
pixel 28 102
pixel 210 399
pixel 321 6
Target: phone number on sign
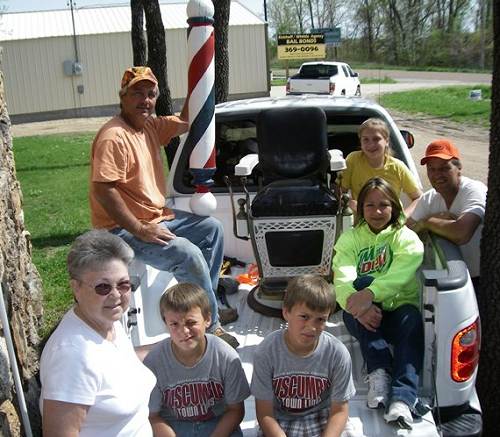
pixel 296 49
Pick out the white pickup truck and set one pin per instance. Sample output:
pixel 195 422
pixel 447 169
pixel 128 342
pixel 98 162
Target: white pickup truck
pixel 333 78
pixel 448 303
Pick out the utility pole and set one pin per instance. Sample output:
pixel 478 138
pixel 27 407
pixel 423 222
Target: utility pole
pixel 72 5
pixel 265 11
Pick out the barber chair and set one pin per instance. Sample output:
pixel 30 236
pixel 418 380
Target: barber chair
pixel 292 219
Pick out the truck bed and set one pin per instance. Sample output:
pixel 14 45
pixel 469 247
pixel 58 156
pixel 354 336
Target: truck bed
pixel 252 327
pixel 146 328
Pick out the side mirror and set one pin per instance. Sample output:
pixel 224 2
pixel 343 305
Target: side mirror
pixel 355 74
pixel 408 137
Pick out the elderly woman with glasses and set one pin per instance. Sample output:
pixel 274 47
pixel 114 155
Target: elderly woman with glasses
pixel 93 384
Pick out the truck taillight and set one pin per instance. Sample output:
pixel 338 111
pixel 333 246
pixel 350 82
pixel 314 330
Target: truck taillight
pixel 465 352
pixel 288 86
pixel 332 87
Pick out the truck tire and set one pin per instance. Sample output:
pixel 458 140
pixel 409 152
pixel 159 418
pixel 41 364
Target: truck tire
pixel 358 91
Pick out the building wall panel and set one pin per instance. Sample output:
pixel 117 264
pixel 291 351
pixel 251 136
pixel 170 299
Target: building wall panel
pixel 35 81
pixel 247 60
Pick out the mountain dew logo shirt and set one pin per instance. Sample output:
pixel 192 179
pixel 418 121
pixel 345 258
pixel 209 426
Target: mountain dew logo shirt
pixel 374 259
pixel 391 257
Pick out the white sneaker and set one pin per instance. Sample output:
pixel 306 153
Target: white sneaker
pixel 353 428
pixel 399 412
pixel 379 387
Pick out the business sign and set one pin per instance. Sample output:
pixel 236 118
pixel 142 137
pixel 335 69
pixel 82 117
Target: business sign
pixel 332 35
pixel 301 46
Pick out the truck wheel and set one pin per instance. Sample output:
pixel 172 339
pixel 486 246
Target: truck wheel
pixel 358 91
pixel 342 93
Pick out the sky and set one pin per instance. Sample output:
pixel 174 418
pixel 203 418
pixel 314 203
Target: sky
pixel 256 6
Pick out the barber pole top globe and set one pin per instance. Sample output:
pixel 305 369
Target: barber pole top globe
pixel 201 95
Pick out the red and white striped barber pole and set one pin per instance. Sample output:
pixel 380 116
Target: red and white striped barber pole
pixel 201 95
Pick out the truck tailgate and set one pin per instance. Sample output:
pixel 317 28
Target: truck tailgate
pixel 310 86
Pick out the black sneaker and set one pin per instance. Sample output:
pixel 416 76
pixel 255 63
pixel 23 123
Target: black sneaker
pixel 227 315
pixel 228 338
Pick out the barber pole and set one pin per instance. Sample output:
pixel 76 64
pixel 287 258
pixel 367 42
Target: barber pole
pixel 201 95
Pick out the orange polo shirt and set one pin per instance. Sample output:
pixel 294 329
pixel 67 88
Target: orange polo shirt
pixel 133 160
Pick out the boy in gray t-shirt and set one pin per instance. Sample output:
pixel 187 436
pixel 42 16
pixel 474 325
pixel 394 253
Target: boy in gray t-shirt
pixel 302 378
pixel 201 384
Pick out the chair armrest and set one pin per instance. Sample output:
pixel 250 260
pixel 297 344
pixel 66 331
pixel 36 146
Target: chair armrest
pixel 246 165
pixel 337 161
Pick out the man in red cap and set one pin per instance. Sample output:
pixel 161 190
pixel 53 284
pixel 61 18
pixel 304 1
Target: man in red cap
pixel 454 207
pixel 127 192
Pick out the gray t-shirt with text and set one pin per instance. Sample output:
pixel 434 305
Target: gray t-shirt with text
pixel 200 392
pixel 297 385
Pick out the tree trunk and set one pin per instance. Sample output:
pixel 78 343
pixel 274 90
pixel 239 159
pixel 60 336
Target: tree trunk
pixel 157 60
pixel 137 32
pixel 482 32
pixel 22 291
pixel 489 300
pixel 221 28
pixel 157 54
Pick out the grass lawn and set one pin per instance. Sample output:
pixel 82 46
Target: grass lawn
pixel 53 171
pixel 451 103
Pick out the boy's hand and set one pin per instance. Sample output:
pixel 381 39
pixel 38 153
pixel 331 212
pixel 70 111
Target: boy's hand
pixel 265 416
pixel 358 303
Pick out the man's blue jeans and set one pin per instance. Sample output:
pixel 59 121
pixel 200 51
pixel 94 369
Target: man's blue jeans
pixel 195 255
pixel 403 329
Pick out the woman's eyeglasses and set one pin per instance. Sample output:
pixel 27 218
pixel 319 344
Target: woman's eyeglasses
pixel 104 288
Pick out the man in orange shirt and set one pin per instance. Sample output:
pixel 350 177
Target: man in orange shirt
pixel 127 192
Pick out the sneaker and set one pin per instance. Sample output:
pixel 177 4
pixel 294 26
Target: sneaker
pixel 227 315
pixel 400 414
pixel 228 338
pixel 353 428
pixel 379 386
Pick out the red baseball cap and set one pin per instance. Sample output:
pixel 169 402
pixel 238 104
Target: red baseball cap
pixel 443 149
pixel 136 74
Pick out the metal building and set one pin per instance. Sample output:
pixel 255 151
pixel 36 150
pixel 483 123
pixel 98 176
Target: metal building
pixel 57 67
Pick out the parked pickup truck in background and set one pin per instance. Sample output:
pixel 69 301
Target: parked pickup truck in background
pixel 334 78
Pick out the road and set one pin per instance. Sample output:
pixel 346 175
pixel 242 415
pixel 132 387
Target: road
pixel 471 141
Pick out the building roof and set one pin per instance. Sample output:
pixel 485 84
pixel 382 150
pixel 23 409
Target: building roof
pixel 100 20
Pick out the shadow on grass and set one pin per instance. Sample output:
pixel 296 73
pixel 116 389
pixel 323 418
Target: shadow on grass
pixel 50 167
pixel 55 240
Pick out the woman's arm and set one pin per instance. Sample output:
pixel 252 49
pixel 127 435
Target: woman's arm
pixel 230 420
pixel 265 416
pixel 62 419
pixel 339 412
pixel 160 427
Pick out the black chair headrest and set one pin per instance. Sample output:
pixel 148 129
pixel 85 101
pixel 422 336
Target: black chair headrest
pixel 292 142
